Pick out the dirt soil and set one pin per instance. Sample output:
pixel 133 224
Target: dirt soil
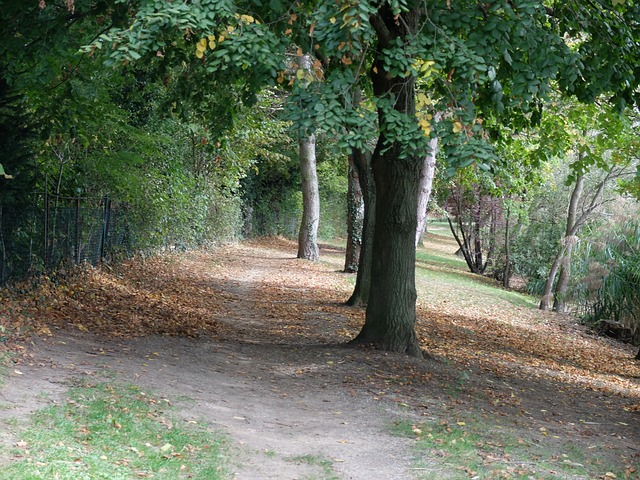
pixel 251 341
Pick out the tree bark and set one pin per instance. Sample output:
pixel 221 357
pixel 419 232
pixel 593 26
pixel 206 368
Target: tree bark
pixel 391 311
pixel 463 244
pixel 570 231
pixel 426 185
pixel 562 285
pixel 476 217
pixel 355 218
pixel 308 235
pixel 506 274
pixel 548 286
pixel 360 295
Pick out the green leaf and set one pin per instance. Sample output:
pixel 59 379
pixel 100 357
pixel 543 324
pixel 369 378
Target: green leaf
pixel 3 173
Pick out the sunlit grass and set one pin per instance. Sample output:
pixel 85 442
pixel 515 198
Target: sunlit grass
pixel 113 432
pixel 471 447
pixel 443 275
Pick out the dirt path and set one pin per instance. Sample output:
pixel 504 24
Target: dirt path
pixel 267 365
pixel 286 409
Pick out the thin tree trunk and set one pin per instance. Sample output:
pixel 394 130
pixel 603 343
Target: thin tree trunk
pixel 355 218
pixel 426 185
pixel 463 244
pixel 548 286
pixel 572 225
pixel 562 285
pixel 476 213
pixel 308 235
pixel 493 233
pixel 506 279
pixel 360 295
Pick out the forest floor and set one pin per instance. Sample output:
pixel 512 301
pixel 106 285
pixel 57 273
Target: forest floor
pixel 251 341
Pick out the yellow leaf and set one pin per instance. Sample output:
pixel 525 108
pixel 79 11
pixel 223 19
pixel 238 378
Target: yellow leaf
pixel 332 20
pixel 247 19
pixel 457 127
pixel 202 44
pixel 199 53
pixel 300 74
pixel 461 424
pixel 427 65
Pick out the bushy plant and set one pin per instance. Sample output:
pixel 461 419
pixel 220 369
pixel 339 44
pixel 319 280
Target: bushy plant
pixel 533 252
pixel 608 288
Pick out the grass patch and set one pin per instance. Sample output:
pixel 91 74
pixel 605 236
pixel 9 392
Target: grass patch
pixel 473 285
pixel 316 461
pixel 473 449
pixel 434 258
pixel 4 367
pixel 107 431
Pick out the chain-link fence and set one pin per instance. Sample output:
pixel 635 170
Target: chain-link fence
pixel 55 231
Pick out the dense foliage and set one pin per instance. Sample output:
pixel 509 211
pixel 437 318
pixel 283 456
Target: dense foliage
pixel 608 289
pixel 184 110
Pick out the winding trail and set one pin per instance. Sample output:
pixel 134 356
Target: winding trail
pixel 289 413
pixel 249 340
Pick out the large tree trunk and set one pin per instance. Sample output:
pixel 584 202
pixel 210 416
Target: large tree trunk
pixel 426 185
pixel 308 235
pixel 391 311
pixel 360 295
pixel 355 218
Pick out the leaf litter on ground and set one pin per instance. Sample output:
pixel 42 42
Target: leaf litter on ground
pixel 286 300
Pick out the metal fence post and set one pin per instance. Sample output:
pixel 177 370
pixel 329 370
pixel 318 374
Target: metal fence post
pixel 4 251
pixel 77 246
pixel 105 225
pixel 46 223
